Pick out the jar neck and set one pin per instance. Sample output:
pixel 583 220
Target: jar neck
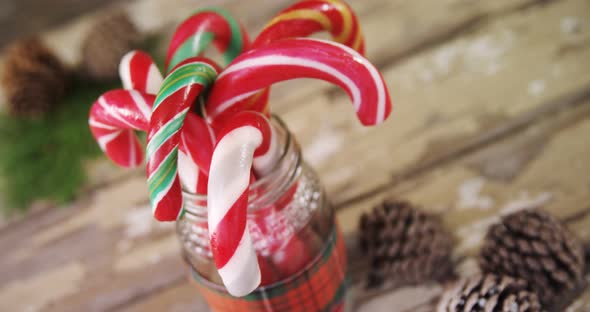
pixel 266 190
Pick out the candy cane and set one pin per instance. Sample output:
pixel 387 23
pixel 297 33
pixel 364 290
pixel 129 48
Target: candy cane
pixel 246 135
pixel 212 25
pixel 303 19
pixel 118 113
pixel 194 153
pixel 308 17
pixel 301 58
pixel 138 71
pixel 113 119
pixel 178 92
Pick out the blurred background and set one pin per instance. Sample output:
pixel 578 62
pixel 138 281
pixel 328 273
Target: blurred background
pixel 491 116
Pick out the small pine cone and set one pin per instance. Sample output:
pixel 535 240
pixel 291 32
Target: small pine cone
pixel 534 246
pixel 405 246
pixel 489 293
pixel 105 45
pixel 33 79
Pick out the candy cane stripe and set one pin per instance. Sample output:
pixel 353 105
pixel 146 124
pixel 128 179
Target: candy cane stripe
pixel 162 178
pixel 379 83
pixel 227 104
pixel 301 58
pixel 103 141
pixel 245 264
pixel 244 136
pixel 294 61
pixel 235 174
pixel 176 96
pixel 96 124
pixel 142 105
pixel 166 131
pixel 208 26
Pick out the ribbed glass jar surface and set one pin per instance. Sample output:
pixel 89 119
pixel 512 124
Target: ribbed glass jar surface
pixel 300 250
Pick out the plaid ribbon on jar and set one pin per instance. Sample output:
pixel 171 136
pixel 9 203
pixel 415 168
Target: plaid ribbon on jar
pixel 321 286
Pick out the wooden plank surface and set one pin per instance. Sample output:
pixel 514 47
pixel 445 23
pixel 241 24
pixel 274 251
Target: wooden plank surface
pixel 492 107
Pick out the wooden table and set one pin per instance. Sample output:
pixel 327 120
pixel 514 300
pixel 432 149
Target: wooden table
pixel 491 115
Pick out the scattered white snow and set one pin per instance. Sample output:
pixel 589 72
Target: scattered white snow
pixel 525 201
pixel 490 47
pixel 425 75
pixel 32 308
pixel 569 25
pixel 481 54
pixel 493 68
pixel 468 267
pixel 470 197
pixel 403 299
pixel 138 222
pixel 575 306
pixel 123 245
pixel 536 87
pixel 444 58
pixel 472 234
pixel 340 176
pixel 154 258
pixel 325 144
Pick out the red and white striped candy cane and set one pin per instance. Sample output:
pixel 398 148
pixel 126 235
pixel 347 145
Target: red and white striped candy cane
pixel 245 136
pixel 113 119
pixel 301 58
pixel 118 113
pixel 305 18
pixel 208 26
pixel 139 72
pixel 194 153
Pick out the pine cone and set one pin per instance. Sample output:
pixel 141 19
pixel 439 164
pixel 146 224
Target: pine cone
pixel 33 78
pixel 534 246
pixel 404 245
pixel 105 45
pixel 489 293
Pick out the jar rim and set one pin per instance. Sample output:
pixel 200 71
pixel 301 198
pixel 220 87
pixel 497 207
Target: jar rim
pixel 286 141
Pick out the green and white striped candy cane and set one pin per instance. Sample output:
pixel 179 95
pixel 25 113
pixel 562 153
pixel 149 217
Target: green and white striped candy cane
pixel 179 90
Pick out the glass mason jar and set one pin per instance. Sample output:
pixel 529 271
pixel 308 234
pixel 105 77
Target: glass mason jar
pixel 300 250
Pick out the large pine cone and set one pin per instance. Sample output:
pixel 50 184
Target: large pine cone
pixel 534 246
pixel 489 293
pixel 105 45
pixel 405 246
pixel 34 80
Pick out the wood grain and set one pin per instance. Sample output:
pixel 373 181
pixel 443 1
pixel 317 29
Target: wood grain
pixel 492 107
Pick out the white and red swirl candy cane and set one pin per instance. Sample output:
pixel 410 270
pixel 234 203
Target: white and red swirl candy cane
pixel 301 58
pixel 176 96
pixel 311 16
pixel 139 72
pixel 118 113
pixel 194 153
pixel 246 135
pixel 304 19
pixel 113 119
pixel 208 26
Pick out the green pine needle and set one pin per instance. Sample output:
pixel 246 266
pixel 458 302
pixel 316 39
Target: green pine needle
pixel 42 158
